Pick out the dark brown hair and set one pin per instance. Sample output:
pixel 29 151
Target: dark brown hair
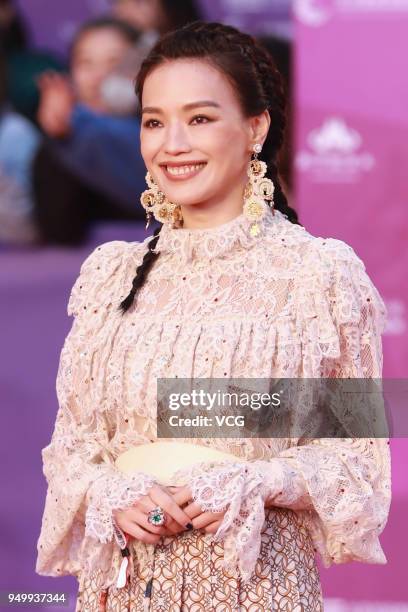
pixel 258 85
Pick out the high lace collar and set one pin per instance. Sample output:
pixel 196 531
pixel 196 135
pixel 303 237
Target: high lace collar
pixel 215 241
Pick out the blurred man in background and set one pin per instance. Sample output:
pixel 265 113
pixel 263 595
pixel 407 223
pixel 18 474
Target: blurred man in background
pixel 151 18
pixel 90 166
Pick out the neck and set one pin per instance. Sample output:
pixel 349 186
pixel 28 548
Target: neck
pixel 213 212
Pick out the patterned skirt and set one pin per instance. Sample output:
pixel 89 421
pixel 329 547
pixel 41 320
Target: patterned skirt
pixel 188 576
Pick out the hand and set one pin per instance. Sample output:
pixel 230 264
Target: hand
pixel 206 521
pixel 56 104
pixel 134 521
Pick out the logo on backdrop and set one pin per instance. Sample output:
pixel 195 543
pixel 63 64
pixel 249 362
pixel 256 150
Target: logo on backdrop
pixel 315 13
pixel 311 12
pixel 334 154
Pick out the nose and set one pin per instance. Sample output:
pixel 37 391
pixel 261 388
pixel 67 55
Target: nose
pixel 176 140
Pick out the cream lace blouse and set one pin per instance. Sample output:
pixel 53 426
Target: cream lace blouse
pixel 217 303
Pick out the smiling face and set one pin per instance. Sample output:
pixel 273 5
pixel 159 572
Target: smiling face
pixel 195 141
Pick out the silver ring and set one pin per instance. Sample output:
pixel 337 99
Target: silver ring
pixel 157 516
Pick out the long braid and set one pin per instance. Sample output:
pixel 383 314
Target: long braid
pixel 142 271
pixel 273 86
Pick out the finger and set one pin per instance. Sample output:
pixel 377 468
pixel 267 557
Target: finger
pixel 206 518
pixel 139 533
pixel 146 504
pixel 175 488
pixel 43 78
pixel 173 525
pixel 48 79
pixel 184 498
pixel 163 499
pixel 182 495
pixel 212 527
pixel 173 528
pixel 55 77
pixel 192 509
pixel 141 519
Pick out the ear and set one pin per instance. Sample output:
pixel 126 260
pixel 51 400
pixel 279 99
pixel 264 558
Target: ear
pixel 258 128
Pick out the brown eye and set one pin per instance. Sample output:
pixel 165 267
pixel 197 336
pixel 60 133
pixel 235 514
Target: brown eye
pixel 149 122
pixel 206 119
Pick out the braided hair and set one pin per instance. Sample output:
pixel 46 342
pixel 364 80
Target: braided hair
pixel 258 84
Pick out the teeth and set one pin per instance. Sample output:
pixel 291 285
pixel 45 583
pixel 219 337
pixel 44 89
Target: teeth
pixel 183 169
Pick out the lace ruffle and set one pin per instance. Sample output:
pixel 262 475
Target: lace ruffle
pixel 115 491
pixel 215 241
pixel 344 516
pixel 347 512
pixel 342 297
pixel 287 305
pixel 236 488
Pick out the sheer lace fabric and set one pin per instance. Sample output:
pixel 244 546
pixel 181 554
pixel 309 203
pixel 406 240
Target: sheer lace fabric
pixel 217 303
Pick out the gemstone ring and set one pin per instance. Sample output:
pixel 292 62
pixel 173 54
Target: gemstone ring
pixel 156 516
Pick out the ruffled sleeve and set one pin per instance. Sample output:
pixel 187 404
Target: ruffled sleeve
pixel 340 485
pixel 77 532
pixel 342 314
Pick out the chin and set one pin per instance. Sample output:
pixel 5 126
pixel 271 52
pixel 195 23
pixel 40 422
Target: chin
pixel 186 199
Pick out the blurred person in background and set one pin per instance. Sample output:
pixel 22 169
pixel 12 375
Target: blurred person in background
pixel 157 16
pixel 24 64
pixel 151 18
pixel 89 166
pixel 19 141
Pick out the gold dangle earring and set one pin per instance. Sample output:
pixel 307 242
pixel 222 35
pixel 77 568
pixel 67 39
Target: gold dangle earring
pixel 258 193
pixel 157 205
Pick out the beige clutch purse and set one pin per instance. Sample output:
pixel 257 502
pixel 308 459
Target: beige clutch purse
pixel 163 459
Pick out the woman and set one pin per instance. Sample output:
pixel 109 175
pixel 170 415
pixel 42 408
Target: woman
pixel 231 286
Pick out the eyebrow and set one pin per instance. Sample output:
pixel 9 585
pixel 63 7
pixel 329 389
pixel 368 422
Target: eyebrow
pixel 191 105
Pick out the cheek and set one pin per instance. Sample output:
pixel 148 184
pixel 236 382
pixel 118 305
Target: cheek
pixel 229 161
pixel 216 144
pixel 150 144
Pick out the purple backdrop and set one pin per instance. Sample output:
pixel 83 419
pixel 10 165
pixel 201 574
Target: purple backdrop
pixel 351 145
pixel 53 23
